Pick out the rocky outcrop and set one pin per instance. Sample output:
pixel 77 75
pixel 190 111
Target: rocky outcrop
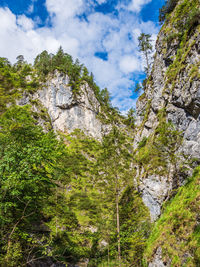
pixel 68 111
pixel 174 86
pixel 157 260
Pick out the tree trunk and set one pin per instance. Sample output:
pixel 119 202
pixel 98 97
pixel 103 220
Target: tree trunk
pixel 118 224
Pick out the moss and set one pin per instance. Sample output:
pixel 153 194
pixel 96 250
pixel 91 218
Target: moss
pixel 146 114
pixel 194 72
pixel 177 232
pixel 142 96
pixel 143 142
pixel 179 63
pixel 159 149
pixel 182 23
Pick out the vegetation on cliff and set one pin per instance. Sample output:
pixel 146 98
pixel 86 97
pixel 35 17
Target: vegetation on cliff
pixel 70 198
pixel 177 231
pixel 60 199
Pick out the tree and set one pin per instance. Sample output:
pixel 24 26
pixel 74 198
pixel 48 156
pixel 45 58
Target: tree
pixel 114 165
pixel 138 88
pixel 146 48
pixel 43 62
pixel 135 226
pixel 28 159
pixel 58 58
pixel 105 95
pixel 20 62
pixel 130 120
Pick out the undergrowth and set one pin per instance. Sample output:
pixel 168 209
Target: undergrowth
pixel 177 231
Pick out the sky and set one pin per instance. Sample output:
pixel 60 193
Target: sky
pixel 102 34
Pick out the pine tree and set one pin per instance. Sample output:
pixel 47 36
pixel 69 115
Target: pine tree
pixel 130 121
pixel 146 48
pixel 114 167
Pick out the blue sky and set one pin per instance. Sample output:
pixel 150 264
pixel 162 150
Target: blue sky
pixel 101 33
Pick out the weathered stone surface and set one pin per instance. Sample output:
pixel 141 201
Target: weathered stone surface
pixel 48 262
pixel 154 190
pixel 181 101
pixel 157 260
pixel 69 112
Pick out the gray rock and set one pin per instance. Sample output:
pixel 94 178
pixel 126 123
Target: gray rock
pixel 154 191
pixel 69 112
pixel 181 101
pixel 157 261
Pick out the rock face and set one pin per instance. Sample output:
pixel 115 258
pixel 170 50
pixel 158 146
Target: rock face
pixel 174 86
pixel 157 261
pixel 69 112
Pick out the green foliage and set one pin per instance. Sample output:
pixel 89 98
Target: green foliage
pixel 177 231
pixel 47 63
pixel 146 48
pixel 130 118
pixel 143 142
pixel 135 226
pixel 90 178
pixel 14 81
pixel 167 9
pixel 156 152
pixel 138 88
pixel 28 158
pixel 183 26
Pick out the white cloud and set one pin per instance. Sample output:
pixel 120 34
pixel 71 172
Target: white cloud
pixel 130 64
pixel 136 5
pixel 115 35
pixel 25 23
pixel 64 9
pixel 100 2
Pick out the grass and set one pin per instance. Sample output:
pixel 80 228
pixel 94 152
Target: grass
pixel 177 231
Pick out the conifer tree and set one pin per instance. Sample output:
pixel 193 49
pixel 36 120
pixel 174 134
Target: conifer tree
pixel 115 171
pixel 146 48
pixel 130 121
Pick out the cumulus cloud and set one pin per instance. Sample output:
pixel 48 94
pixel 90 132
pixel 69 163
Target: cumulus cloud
pixel 136 5
pixel 130 64
pixel 83 38
pixel 100 2
pixel 64 9
pixel 25 23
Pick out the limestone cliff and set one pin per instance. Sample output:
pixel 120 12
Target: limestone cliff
pixel 173 93
pixel 69 111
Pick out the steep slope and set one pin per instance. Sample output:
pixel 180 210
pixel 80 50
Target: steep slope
pixel 66 158
pixel 78 184
pixel 66 110
pixel 167 141
pixel 168 112
pixel 175 239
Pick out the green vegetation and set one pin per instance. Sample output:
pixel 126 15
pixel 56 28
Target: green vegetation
pixel 156 152
pixel 167 9
pixel 22 79
pixel 69 200
pixel 185 34
pixel 177 232
pixel 27 167
pixel 14 80
pixel 146 48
